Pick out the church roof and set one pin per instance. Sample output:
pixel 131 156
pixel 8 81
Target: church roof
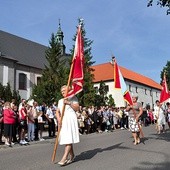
pixel 23 51
pixel 105 72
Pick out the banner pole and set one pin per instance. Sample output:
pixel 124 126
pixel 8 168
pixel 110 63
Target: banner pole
pixel 62 115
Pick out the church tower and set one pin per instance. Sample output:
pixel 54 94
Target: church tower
pixel 59 38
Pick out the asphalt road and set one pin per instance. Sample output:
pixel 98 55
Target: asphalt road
pixel 106 151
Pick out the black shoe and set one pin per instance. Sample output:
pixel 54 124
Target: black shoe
pixel 2 143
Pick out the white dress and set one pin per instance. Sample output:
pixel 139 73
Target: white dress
pixel 69 131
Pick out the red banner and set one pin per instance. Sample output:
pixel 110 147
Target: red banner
pixel 77 74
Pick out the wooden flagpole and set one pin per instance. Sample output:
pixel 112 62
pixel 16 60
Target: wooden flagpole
pixel 62 115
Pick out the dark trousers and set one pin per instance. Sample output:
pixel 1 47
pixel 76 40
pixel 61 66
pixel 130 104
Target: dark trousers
pixel 1 131
pixel 51 128
pixel 15 133
pixel 36 129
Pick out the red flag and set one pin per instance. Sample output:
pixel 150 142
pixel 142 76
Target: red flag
pixel 76 71
pixel 120 84
pixel 164 92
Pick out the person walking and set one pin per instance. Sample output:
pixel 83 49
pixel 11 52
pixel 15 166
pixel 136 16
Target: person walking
pixel 135 112
pixel 161 121
pixel 69 132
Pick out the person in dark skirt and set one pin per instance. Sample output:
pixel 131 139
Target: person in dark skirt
pixel 9 123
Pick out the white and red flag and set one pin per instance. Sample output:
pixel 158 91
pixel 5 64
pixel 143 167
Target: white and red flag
pixel 120 85
pixel 164 92
pixel 75 79
pixel 76 71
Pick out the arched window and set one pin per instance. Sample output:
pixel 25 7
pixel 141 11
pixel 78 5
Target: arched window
pixel 22 81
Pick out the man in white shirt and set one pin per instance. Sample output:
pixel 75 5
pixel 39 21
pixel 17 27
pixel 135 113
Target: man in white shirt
pixel 159 114
pixel 51 124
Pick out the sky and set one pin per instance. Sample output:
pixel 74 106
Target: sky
pixel 137 35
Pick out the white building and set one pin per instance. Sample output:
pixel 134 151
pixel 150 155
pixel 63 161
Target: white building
pixel 22 61
pixel 147 89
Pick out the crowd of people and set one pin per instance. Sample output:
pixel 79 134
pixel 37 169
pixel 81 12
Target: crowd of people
pixel 26 122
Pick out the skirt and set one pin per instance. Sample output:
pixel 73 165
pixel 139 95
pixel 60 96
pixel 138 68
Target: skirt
pixel 133 125
pixel 9 130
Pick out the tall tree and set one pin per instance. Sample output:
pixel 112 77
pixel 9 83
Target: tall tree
pixel 161 3
pixel 16 96
pixel 53 76
pixel 8 93
pixel 103 93
pixel 166 69
pixel 87 96
pixel 1 91
pixel 110 101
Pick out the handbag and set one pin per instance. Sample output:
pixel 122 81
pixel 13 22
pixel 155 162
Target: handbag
pixel 22 122
pixel 81 123
pixel 108 123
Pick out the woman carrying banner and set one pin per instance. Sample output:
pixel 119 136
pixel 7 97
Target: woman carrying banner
pixel 135 111
pixel 69 133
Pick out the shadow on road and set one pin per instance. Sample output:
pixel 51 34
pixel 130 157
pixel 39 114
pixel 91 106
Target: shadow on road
pixel 151 166
pixel 91 153
pixel 162 136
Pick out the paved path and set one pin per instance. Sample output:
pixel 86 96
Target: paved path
pixel 106 151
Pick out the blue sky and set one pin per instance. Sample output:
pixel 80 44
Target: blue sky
pixel 138 36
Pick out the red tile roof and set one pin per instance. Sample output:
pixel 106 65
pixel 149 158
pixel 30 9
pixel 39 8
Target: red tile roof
pixel 105 72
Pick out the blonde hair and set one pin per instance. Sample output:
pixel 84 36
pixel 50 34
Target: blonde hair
pixel 65 86
pixel 62 87
pixel 7 105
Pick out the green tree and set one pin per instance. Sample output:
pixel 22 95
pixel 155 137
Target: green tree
pixel 1 91
pixel 161 3
pixel 103 93
pixel 16 96
pixel 8 93
pixel 87 96
pixel 166 70
pixel 53 77
pixel 110 101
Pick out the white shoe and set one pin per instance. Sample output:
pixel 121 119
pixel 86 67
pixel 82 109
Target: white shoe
pixel 12 143
pixel 21 142
pixel 25 142
pixel 41 139
pixel 6 143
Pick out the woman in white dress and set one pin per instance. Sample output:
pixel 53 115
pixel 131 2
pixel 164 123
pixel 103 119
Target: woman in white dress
pixel 69 132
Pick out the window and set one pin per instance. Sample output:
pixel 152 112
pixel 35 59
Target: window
pixel 96 89
pixel 106 88
pixel 130 88
pixel 150 92
pixel 136 89
pixel 22 81
pixel 145 91
pixel 38 80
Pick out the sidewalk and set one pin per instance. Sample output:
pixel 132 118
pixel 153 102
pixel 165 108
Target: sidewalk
pixel 45 137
